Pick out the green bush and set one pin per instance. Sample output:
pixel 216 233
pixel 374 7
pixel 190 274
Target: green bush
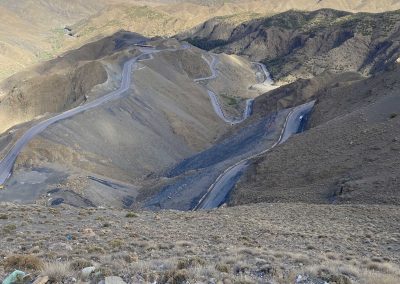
pixel 131 215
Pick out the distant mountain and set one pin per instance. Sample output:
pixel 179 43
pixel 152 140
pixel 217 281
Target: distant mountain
pixel 298 44
pixel 309 5
pixel 33 30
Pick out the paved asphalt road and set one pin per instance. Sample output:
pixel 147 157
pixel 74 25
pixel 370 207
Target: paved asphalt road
pixel 220 189
pixel 268 80
pixel 214 99
pixel 6 165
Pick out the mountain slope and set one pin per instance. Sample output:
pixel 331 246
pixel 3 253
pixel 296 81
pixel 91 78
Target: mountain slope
pixel 304 44
pixel 165 117
pixel 349 154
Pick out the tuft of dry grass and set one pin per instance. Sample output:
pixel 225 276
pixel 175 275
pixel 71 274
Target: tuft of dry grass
pixel 57 271
pixel 9 228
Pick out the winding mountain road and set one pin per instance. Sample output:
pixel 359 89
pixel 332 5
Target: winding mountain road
pixel 214 99
pixel 268 80
pixel 7 163
pixel 220 189
pixel 268 84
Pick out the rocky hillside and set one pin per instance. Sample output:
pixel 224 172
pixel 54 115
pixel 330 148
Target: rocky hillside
pixel 349 154
pixel 304 44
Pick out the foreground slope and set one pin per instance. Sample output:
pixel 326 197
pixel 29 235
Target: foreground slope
pixel 261 243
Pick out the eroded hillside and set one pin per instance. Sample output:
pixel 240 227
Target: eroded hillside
pixel 304 44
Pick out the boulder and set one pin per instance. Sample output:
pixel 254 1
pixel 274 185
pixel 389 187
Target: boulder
pixel 85 273
pixel 14 277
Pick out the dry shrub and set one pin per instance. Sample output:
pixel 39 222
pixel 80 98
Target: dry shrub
pixel 79 264
pixel 374 278
pixel 131 215
pixel 222 267
pixel 116 243
pixel 180 276
pixel 329 273
pixel 384 267
pixel 9 228
pixel 124 256
pixel 23 262
pixel 95 249
pixel 190 262
pixel 371 273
